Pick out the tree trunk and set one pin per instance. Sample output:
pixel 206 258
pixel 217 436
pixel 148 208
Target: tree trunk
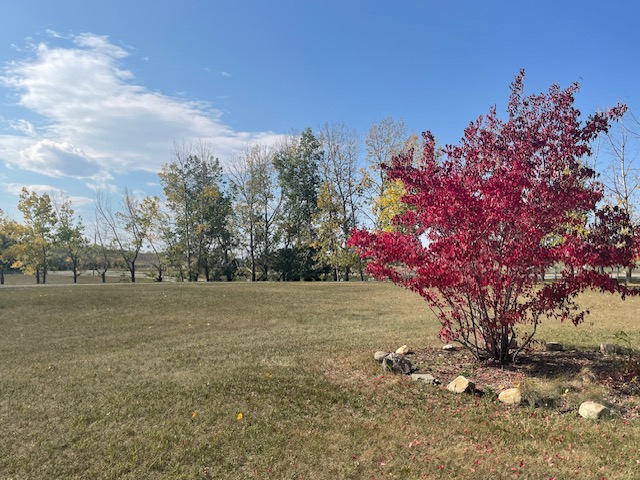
pixel 104 276
pixel 1 277
pixel 252 253
pixel 629 274
pixel 132 269
pixel 37 276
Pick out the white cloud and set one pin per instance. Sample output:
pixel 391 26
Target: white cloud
pixel 99 43
pixel 58 159
pixel 24 126
pixel 97 121
pixel 16 189
pixel 78 201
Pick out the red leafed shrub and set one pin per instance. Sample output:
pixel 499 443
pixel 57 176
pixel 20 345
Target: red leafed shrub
pixel 487 217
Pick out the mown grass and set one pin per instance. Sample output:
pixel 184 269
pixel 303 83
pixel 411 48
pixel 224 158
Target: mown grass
pixel 149 381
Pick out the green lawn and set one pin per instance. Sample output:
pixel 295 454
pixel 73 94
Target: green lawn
pixel 270 380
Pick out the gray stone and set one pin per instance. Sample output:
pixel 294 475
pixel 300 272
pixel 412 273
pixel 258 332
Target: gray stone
pixel 612 349
pixel 553 347
pixel 593 410
pixel 424 377
pixel 461 385
pixel 510 396
pixel 397 364
pixel 379 355
pixel 403 350
pixel 449 347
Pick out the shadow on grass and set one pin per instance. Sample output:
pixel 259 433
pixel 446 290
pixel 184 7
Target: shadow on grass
pixel 567 363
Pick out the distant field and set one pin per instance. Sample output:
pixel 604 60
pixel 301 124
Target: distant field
pixel 253 381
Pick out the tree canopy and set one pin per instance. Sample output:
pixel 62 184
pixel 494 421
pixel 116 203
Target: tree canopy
pixel 484 219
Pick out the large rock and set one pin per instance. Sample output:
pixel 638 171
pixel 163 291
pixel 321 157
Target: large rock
pixel 593 410
pixel 553 347
pixel 397 364
pixel 379 355
pixel 461 385
pixel 510 396
pixel 424 377
pixel 403 350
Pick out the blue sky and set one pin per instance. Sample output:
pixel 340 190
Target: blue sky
pixel 93 94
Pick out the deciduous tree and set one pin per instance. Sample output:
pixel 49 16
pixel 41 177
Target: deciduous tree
pixel 11 235
pixel 128 228
pixel 99 253
pixel 39 220
pixel 343 192
pixel 622 174
pixel 258 205
pixel 331 241
pixel 70 236
pixel 484 223
pixel 200 209
pixel 297 162
pixel 386 139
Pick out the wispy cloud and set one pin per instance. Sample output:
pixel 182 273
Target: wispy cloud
pixel 16 188
pixel 96 121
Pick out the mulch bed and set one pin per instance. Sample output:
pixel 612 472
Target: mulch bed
pixel 615 372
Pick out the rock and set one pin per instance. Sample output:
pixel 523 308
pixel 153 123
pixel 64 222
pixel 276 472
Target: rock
pixel 424 377
pixel 379 355
pixel 449 347
pixel 553 347
pixel 461 385
pixel 612 349
pixel 510 396
pixel 397 364
pixel 403 350
pixel 593 410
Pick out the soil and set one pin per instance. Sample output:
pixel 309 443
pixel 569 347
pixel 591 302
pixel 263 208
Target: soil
pixel 617 374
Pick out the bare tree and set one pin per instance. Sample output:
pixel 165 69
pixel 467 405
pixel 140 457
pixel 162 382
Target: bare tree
pixel 622 177
pixel 129 227
pixel 385 140
pixel 101 249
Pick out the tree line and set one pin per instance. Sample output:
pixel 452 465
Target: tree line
pixel 282 212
